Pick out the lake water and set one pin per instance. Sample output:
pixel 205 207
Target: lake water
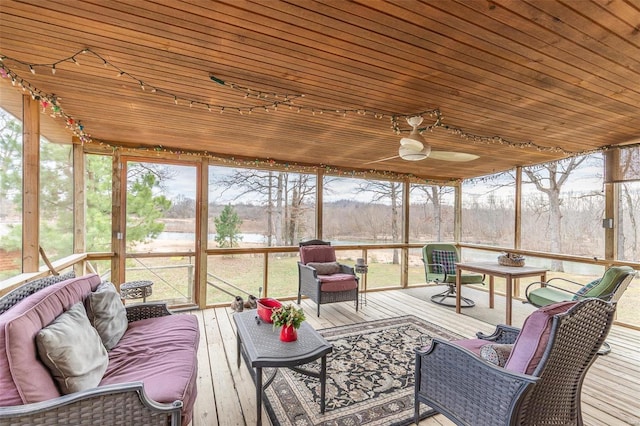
pixel 468 254
pixel 189 236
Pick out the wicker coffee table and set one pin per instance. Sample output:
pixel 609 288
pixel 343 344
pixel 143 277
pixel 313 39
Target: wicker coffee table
pixel 262 347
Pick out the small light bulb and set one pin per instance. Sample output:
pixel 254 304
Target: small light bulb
pixel 32 70
pixel 53 69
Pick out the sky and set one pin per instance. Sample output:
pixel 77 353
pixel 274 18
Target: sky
pixel 183 183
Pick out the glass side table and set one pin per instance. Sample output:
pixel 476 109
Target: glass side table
pixel 136 290
pixel 362 269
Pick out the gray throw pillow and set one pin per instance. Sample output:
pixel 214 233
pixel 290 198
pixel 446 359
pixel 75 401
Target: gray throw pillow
pixel 496 354
pixel 325 268
pixel 72 350
pixel 107 314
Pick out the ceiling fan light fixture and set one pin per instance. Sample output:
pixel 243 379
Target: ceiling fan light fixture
pixel 410 154
pixel 413 140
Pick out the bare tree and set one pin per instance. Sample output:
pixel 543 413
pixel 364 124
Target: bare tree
pixel 548 179
pixel 392 191
pixel 434 196
pixel 628 235
pixel 283 193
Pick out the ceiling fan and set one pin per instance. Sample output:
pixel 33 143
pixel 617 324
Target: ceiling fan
pixel 414 147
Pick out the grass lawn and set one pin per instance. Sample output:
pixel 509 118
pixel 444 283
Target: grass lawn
pixel 243 274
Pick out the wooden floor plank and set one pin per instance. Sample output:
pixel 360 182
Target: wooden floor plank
pixel 609 392
pixel 205 405
pixel 243 382
pixel 227 400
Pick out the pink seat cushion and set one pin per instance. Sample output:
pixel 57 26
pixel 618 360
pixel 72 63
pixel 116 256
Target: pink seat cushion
pixel 474 345
pixel 320 253
pixel 533 338
pixel 23 377
pixel 161 353
pixel 337 282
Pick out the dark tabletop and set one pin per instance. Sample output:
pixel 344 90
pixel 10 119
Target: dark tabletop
pixel 263 346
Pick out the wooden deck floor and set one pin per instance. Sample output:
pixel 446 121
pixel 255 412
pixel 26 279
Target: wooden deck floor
pixel 226 394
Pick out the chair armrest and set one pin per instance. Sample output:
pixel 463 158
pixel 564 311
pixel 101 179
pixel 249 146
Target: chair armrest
pixel 146 310
pixel 102 405
pixel 503 334
pixel 539 284
pixel 346 269
pixel 307 272
pixel 439 274
pixel 476 391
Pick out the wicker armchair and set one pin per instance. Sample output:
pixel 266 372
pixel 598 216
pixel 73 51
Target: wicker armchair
pixel 470 390
pixel 321 278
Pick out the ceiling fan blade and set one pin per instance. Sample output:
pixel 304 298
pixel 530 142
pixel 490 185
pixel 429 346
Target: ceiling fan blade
pixel 460 157
pixel 381 160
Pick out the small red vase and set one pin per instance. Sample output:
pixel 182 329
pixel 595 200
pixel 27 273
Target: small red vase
pixel 288 333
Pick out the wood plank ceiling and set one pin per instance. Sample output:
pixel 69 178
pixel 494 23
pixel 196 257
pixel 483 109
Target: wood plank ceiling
pixel 551 73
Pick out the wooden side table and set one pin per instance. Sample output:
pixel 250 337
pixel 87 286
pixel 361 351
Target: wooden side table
pixel 493 269
pixel 136 289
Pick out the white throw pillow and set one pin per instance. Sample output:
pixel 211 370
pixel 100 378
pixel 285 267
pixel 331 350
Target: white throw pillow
pixel 72 350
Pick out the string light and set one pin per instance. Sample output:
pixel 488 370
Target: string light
pixel 477 139
pixel 50 103
pixel 289 99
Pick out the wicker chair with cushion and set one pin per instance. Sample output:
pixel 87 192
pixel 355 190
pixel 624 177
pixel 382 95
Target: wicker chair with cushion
pixel 608 288
pixel 440 266
pixel 322 278
pixel 541 381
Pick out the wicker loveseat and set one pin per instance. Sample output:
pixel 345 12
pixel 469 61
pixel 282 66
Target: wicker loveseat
pixel 148 378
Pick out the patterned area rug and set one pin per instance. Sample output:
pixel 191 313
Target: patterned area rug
pixel 370 377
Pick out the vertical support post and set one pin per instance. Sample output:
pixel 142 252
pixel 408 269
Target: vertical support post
pixel 319 201
pixel 517 231
pixel 118 194
pixel 457 219
pixel 404 277
pixel 79 204
pixel 265 275
pixel 202 231
pixel 30 184
pixel 611 197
